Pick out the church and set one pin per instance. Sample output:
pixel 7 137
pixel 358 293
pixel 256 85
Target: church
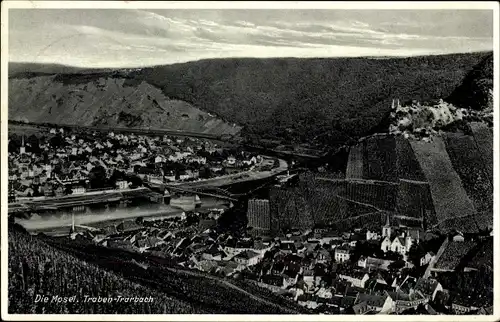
pixel 398 240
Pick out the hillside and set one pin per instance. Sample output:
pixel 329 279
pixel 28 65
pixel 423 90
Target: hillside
pixel 315 101
pixel 476 90
pixel 78 270
pixel 98 99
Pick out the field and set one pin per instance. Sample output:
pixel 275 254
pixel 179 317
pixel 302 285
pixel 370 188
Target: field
pixel 467 160
pixel 407 165
pixel 379 161
pixel 449 196
pixel 355 162
pixel 318 202
pixel 484 140
pixel 412 198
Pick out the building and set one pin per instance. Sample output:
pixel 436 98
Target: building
pixel 377 303
pixel 428 287
pixel 372 235
pixel 22 150
pixel 259 217
pixel 122 184
pixel 458 237
pixel 387 229
pixel 78 190
pixel 426 259
pixel 356 278
pixel 398 244
pixel 374 263
pixel 342 254
pixel 247 258
pixel 403 301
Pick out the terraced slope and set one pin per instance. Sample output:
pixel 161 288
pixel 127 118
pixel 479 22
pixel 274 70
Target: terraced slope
pixel 447 181
pixel 450 198
pixel 100 100
pixel 483 136
pixel 469 163
pixel 355 162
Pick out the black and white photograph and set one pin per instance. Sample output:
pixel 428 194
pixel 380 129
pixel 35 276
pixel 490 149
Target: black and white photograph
pixel 252 160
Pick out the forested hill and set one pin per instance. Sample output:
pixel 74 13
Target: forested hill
pixel 323 101
pixel 476 90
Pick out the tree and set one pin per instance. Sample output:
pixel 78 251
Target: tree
pixel 97 177
pixel 415 254
pixel 14 143
pixel 34 143
pixel 57 141
pixel 397 265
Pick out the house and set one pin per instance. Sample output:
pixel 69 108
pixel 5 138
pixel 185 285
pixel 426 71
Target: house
pixel 322 256
pixel 428 287
pixel 289 280
pixel 275 280
pixel 458 237
pixel 213 253
pixel 129 225
pixel 325 293
pixel 356 278
pixel 342 254
pixel 378 303
pixel 122 184
pixel 328 236
pixel 361 308
pixel 78 190
pixel 308 277
pixel 403 301
pixel 160 159
pixel 60 191
pixel 460 308
pixel 374 263
pixel 247 258
pixel 424 260
pixel 372 235
pixel 231 161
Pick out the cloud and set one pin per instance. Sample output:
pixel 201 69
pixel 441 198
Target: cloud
pixel 139 37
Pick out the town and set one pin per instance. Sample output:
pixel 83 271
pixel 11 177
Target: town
pixel 68 162
pixel 393 270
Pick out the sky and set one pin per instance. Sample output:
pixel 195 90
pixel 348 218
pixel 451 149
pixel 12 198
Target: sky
pixel 135 38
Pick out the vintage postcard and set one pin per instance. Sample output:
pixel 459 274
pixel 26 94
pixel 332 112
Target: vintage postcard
pixel 222 161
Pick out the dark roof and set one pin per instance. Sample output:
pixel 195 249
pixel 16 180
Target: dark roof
pixel 372 300
pixel 360 308
pixel 426 286
pixel 347 301
pixel 355 274
pixel 247 254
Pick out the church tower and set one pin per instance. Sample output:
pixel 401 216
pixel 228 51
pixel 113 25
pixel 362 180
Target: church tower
pixel 23 148
pixel 387 230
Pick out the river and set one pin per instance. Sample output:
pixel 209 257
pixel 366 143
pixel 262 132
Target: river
pixel 60 224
